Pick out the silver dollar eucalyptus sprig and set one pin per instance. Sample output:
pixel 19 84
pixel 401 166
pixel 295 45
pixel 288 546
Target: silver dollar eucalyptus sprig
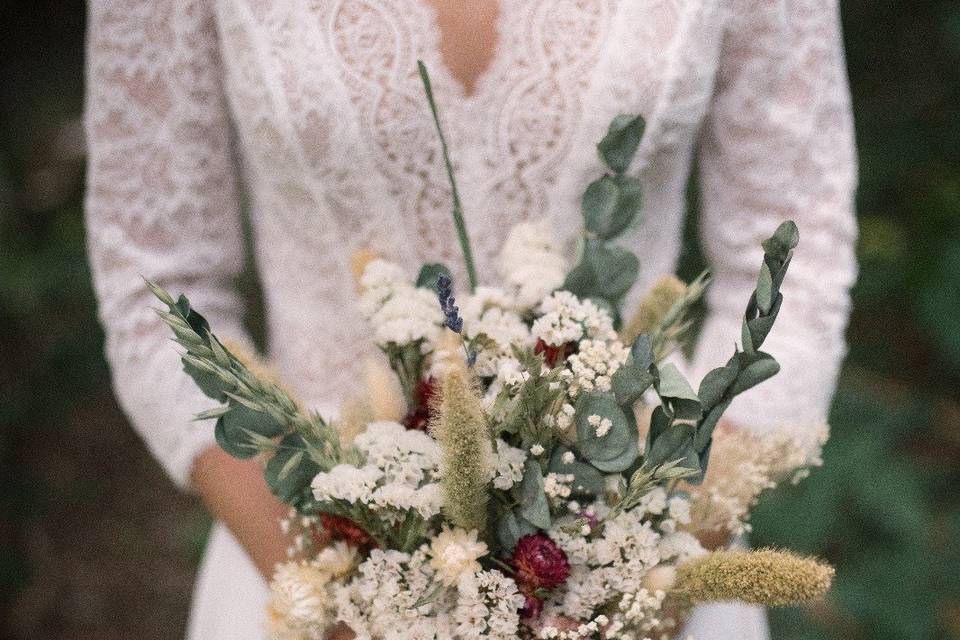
pixel 610 206
pixel 257 415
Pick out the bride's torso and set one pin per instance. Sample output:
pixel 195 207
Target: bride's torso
pixel 339 151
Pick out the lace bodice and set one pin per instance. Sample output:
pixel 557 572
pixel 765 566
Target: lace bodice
pixel 317 106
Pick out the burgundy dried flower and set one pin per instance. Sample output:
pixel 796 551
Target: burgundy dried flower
pixel 419 416
pixel 540 563
pixel 340 528
pixel 532 608
pixel 552 355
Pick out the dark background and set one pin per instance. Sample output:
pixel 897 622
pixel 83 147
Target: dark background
pixel 95 543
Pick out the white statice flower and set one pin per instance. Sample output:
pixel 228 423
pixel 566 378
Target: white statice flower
pixel 532 262
pixel 594 364
pixel 508 465
pixel 557 485
pixel 300 601
pixel 378 602
pixel 565 318
pixel 399 313
pixel 400 474
pixel 655 502
pixel 378 283
pixel 488 607
pixel 505 328
pixel 601 425
pixel 409 315
pixel 454 552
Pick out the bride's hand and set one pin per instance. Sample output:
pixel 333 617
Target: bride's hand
pixel 236 493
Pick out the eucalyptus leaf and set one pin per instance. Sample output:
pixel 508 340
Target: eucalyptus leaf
pixel 599 205
pixel 534 506
pixel 581 281
pixel 783 241
pixel 427 278
pixel 620 144
pixel 765 289
pixel 615 268
pixel 588 480
pixel 294 485
pixel 717 382
pixel 757 371
pixel 629 383
pixel 672 384
pixel 616 441
pixel 642 351
pixel 675 443
pixel 611 204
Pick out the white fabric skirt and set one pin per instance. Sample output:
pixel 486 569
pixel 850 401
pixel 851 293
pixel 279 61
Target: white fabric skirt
pixel 230 600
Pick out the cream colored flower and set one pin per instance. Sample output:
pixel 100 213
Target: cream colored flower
pixel 337 559
pixel 456 552
pixel 299 600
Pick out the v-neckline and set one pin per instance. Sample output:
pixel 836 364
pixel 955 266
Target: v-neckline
pixel 434 52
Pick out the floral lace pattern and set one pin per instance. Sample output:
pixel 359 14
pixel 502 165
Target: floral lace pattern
pixel 320 105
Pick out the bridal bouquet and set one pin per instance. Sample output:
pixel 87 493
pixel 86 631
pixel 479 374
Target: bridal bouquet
pixel 532 465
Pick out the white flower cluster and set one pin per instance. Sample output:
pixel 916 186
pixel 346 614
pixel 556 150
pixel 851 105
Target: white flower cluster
pixel 301 593
pixel 565 318
pixel 398 312
pixel 508 465
pixel 623 562
pixel 399 475
pixel 388 598
pixel 532 263
pixel 594 363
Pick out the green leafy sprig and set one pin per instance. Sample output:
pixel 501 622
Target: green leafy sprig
pixel 257 416
pixel 610 205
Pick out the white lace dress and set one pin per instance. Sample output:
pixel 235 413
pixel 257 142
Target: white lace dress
pixel 319 106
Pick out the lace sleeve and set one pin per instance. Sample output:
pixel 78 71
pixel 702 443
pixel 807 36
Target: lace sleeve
pixel 778 144
pixel 160 204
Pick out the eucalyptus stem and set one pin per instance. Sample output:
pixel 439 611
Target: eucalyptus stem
pixel 458 220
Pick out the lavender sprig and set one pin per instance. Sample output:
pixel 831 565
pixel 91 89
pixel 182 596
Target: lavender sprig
pixel 451 313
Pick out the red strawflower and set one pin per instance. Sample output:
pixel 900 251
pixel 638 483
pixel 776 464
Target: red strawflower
pixel 554 355
pixel 340 528
pixel 540 563
pixel 419 416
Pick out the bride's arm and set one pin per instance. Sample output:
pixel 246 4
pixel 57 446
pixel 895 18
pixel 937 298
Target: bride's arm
pixel 778 145
pixel 161 203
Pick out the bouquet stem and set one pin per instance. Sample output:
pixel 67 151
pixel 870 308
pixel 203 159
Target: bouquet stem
pixel 458 220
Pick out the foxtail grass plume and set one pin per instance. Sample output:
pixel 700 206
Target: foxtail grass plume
pixel 653 307
pixel 461 430
pixel 764 577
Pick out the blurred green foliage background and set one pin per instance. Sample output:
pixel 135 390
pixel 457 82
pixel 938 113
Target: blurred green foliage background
pixel 95 543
